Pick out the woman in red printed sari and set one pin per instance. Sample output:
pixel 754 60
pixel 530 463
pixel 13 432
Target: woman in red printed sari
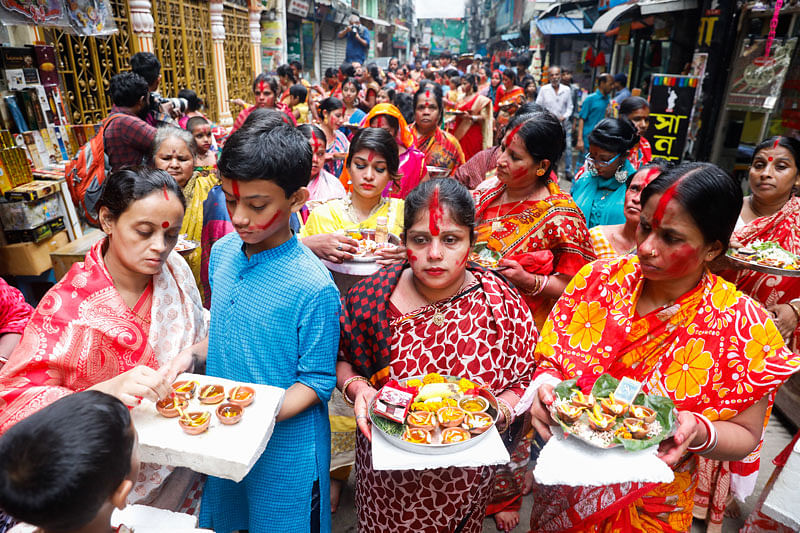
pixel 441 149
pixel 432 314
pixel 770 213
pixel 542 238
pixel 510 99
pixel 661 318
pixel 473 129
pixel 116 321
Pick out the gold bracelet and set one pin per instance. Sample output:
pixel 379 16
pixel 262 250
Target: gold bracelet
pixel 796 308
pixel 347 384
pixel 503 406
pixel 536 287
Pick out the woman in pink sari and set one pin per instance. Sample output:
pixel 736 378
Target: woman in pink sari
pixel 117 320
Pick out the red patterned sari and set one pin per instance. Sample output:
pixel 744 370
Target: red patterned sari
pixel 714 352
pixel 473 136
pixel 520 230
pixel 486 336
pixel 719 479
pixel 441 149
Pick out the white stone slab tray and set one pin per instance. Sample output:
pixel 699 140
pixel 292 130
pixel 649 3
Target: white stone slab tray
pixel 224 451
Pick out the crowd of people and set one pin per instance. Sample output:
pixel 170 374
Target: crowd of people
pixel 624 274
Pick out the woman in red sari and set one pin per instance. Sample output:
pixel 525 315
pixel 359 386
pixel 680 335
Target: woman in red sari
pixel 434 313
pixel 542 239
pixel 661 318
pixel 117 321
pixel 474 128
pixel 441 149
pixel 511 98
pixel 770 213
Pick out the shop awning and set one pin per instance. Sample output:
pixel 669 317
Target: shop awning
pixel 510 36
pixel 559 8
pixel 652 7
pixel 376 21
pixel 604 21
pixel 561 26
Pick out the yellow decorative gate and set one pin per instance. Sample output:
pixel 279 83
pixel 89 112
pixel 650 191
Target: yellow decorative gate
pixel 238 66
pixel 182 42
pixel 86 65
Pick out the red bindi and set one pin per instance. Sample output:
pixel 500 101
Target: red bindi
pixel 165 224
pixel 434 212
pixel 235 185
pixel 769 158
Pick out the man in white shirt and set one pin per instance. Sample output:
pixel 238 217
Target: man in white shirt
pixel 557 99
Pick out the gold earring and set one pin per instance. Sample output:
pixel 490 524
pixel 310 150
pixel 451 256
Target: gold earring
pixel 540 172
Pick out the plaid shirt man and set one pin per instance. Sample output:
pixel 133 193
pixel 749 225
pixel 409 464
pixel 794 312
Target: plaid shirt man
pixel 128 140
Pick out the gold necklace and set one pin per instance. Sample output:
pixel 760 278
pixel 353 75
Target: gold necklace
pixel 351 211
pixel 438 315
pixel 496 224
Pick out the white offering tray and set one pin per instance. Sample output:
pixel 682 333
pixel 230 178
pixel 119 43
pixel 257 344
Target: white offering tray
pixel 569 461
pixel 224 451
pixel 387 456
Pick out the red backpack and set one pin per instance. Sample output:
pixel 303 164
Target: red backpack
pixel 87 171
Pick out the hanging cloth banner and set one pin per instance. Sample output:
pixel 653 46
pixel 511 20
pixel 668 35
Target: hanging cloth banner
pixel 90 17
pixel 773 25
pixel 43 13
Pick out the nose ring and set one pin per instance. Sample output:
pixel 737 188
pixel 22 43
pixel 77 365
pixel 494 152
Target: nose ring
pixel 652 253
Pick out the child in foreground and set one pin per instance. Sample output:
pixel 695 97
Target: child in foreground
pixel 298 95
pixel 68 466
pixel 274 321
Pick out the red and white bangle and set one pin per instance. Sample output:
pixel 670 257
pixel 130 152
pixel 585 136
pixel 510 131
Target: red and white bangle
pixel 711 436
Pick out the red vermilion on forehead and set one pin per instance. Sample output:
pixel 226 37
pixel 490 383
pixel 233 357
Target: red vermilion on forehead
pixel 371 156
pixel 776 143
pixel 235 185
pixel 427 94
pixel 652 174
pixel 669 194
pixel 268 224
pixel 434 212
pixel 513 134
pixel 381 121
pixel 166 194
pixel 262 86
pixel 315 143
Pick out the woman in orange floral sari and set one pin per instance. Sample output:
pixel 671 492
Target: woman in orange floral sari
pixel 661 318
pixel 770 213
pixel 542 238
pixel 510 99
pixel 441 149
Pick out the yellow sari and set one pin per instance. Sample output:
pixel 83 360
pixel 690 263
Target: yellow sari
pixel 196 192
pixel 334 216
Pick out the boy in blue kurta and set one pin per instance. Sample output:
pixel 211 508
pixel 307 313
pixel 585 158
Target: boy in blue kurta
pixel 274 321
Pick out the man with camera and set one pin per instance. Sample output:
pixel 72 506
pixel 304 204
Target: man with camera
pixel 161 110
pixel 357 41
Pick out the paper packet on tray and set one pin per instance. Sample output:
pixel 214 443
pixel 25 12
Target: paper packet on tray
pixel 393 403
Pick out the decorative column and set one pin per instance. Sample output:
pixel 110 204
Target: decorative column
pixel 142 24
pixel 255 36
pixel 220 76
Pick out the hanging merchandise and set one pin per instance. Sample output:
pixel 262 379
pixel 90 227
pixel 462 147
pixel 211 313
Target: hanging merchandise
pixel 599 60
pixel 588 56
pixel 41 12
pixel 91 17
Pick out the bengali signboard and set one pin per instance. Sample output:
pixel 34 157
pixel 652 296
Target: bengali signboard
pixel 671 103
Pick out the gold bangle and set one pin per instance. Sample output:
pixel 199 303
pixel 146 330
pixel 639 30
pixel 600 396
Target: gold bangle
pixel 503 406
pixel 347 384
pixel 794 307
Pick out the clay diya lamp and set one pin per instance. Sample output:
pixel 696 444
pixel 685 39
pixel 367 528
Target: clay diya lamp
pixel 455 435
pixel 568 413
pixel 477 423
pixel 229 413
pixel 637 428
pixel 172 406
pixel 612 407
pixel 643 413
pixel 241 395
pixel 417 436
pixel 185 389
pixel 211 394
pixel 600 421
pixel 475 404
pixel 421 420
pixel 450 416
pixel 195 423
pixel 581 400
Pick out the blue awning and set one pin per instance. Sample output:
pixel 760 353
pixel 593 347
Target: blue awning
pixel 561 26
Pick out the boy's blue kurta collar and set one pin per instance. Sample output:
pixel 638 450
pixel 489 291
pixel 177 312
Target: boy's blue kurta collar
pixel 273 253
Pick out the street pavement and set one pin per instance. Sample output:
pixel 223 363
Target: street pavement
pixel 776 439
